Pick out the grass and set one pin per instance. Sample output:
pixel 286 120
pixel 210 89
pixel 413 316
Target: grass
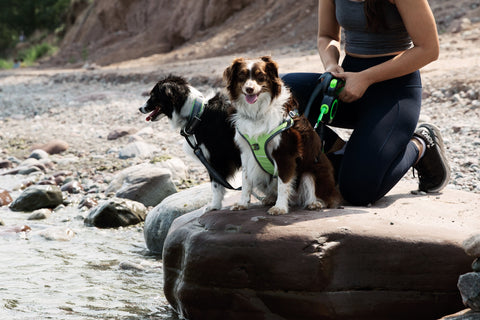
pixel 6 64
pixel 30 55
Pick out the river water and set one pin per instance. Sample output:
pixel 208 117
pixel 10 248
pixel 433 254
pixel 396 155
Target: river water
pixel 61 269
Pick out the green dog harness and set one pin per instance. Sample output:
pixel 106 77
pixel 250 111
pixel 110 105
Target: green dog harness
pixel 259 145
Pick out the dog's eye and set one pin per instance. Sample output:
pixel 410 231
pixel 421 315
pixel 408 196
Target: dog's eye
pixel 260 77
pixel 242 75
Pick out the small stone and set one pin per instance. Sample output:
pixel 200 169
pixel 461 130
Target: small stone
pixel 5 198
pixel 40 214
pixel 476 265
pixel 127 265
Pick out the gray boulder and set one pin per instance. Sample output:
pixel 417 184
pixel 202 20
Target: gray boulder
pixel 472 245
pixel 469 286
pixel 38 197
pixel 116 212
pixel 145 183
pixel 139 149
pixel 158 220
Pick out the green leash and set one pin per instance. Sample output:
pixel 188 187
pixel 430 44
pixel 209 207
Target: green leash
pixel 330 87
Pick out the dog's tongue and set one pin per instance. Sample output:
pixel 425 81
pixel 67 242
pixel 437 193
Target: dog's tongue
pixel 153 114
pixel 251 98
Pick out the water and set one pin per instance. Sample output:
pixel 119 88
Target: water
pixel 96 274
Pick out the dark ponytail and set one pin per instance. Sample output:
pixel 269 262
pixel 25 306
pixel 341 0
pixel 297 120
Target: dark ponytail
pixel 374 12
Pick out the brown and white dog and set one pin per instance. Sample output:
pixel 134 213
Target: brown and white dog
pixel 262 103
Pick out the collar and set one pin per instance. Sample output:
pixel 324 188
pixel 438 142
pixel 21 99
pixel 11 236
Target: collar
pixel 195 117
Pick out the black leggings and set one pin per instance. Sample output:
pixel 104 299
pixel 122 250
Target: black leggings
pixel 379 151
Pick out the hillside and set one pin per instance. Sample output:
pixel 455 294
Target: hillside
pixel 105 32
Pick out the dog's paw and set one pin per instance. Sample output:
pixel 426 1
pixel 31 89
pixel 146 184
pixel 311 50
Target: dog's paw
pixel 211 208
pixel 269 200
pixel 317 205
pixel 238 207
pixel 276 211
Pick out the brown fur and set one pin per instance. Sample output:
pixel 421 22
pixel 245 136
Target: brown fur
pixel 299 151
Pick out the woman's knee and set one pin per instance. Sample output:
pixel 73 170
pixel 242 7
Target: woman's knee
pixel 358 190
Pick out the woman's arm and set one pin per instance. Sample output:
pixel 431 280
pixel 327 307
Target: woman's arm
pixel 420 24
pixel 328 38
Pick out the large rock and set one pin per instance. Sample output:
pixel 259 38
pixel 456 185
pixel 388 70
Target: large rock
pixel 469 286
pixel 37 197
pixel 158 220
pixel 145 183
pixel 116 212
pixel 399 259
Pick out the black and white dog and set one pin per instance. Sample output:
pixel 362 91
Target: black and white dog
pixel 205 124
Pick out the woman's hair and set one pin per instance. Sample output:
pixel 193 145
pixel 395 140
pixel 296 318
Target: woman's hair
pixel 374 13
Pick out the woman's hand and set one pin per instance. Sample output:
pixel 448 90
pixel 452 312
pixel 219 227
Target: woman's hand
pixel 356 83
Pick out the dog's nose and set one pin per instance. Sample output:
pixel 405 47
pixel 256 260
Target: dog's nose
pixel 249 90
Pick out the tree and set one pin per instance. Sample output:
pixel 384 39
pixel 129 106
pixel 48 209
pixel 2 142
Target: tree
pixel 26 16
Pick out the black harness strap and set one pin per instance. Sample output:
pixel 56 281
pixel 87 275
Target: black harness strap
pixel 189 131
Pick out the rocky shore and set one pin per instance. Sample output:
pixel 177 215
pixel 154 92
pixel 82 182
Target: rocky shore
pixel 78 133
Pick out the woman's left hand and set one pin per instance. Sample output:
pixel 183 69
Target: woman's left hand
pixel 355 85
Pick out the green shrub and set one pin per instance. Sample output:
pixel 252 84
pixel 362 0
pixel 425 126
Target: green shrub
pixel 6 64
pixel 32 54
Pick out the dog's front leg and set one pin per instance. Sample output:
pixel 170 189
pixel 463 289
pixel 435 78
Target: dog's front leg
pixel 218 192
pixel 284 190
pixel 247 186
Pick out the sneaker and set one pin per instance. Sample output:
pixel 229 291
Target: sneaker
pixel 433 169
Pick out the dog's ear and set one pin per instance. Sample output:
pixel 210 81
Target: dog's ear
pixel 230 75
pixel 232 70
pixel 271 68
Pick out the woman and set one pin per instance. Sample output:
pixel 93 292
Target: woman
pixel 386 43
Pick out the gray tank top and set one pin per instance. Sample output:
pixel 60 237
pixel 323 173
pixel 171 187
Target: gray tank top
pixel 360 40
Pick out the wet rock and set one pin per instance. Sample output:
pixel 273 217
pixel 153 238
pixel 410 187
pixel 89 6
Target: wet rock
pixel 311 265
pixel 121 132
pixel 15 229
pixel 52 147
pixel 469 286
pixel 37 197
pixel 116 212
pixel 40 214
pixel 139 149
pixel 5 198
pixel 56 234
pixel 159 219
pixel 128 265
pixel 145 183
